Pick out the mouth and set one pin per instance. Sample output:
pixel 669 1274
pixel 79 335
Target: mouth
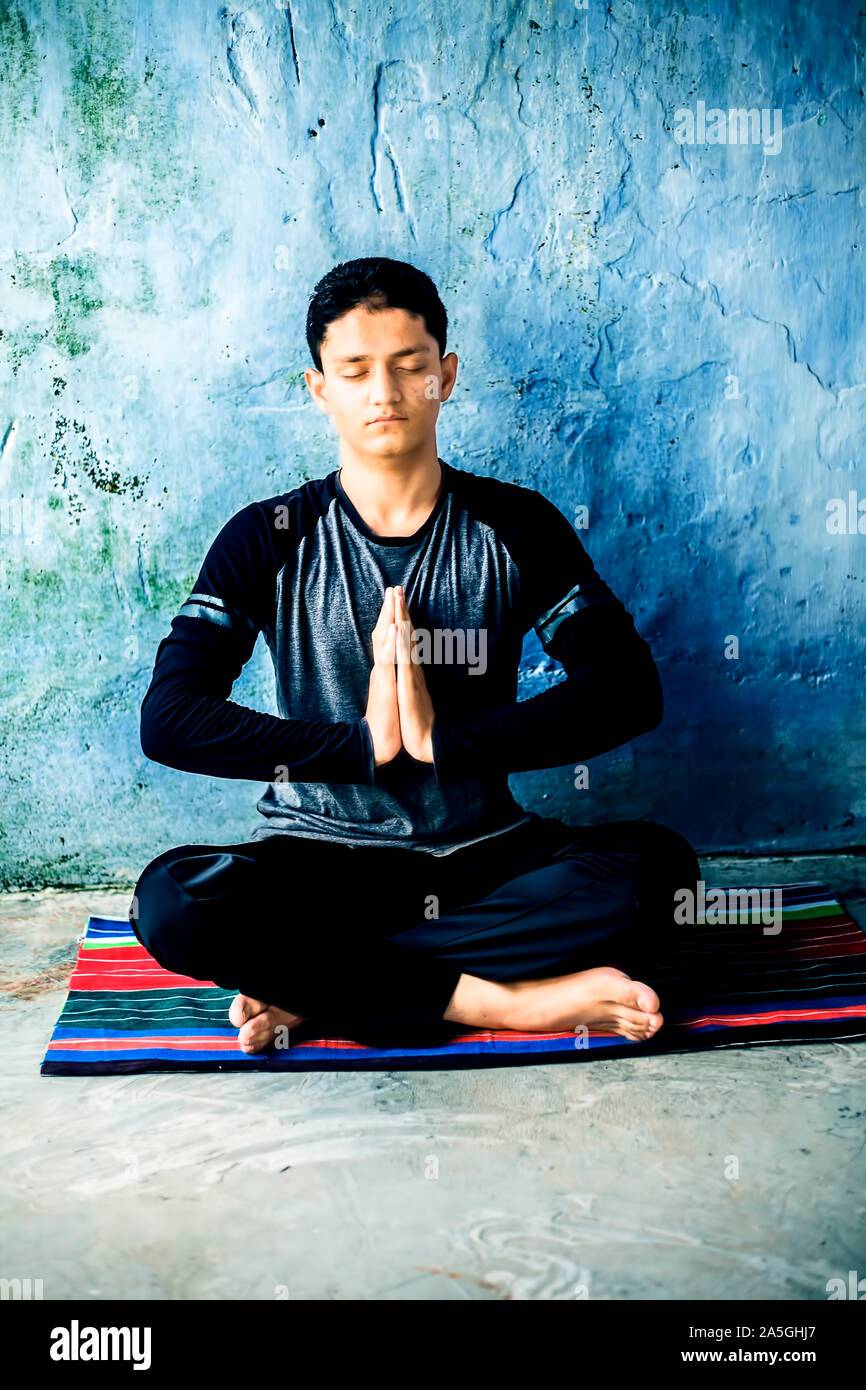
pixel 387 419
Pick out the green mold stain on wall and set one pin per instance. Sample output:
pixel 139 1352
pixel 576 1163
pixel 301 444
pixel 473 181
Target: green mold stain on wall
pixel 19 67
pixel 117 113
pixel 21 345
pixel 75 460
pixel 71 284
pixel 145 298
pixel 99 97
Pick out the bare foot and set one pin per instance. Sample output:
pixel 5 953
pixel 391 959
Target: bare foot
pixel 258 1022
pixel 605 1000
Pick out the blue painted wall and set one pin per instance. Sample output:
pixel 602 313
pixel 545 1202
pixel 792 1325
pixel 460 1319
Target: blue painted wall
pixel 660 322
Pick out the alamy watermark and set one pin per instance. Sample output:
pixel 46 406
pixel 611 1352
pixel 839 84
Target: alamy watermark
pixel 76 1343
pixel 20 1289
pixel 738 126
pixel 719 906
pixel 461 646
pixel 854 1288
pixel 21 516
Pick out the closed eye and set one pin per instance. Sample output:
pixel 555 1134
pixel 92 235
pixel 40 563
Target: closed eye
pixel 355 376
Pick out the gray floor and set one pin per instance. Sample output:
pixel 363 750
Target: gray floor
pixel 605 1180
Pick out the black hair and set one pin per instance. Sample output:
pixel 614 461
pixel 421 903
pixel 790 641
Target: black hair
pixel 376 282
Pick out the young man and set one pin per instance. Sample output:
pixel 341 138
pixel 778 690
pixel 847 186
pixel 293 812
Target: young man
pixel 396 887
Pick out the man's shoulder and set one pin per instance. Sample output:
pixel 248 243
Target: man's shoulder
pixel 284 517
pixel 508 506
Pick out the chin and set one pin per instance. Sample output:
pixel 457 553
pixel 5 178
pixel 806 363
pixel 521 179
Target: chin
pixel 390 442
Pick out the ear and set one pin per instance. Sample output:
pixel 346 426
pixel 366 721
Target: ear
pixel 316 387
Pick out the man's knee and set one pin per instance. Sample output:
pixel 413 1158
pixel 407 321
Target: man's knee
pixel 669 867
pixel 160 902
pixel 667 848
pixel 185 905
pixel 147 908
pixel 194 872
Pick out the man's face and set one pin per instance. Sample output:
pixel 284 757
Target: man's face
pixel 378 363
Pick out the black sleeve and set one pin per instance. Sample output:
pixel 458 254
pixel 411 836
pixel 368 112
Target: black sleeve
pixel 612 690
pixel 187 719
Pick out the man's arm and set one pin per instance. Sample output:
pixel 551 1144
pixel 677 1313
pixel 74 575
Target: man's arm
pixel 612 691
pixel 187 719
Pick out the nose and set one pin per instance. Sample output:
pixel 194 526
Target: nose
pixel 384 391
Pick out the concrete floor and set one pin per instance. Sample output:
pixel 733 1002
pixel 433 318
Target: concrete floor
pixel 606 1180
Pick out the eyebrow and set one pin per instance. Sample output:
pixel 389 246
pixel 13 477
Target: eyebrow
pixel 403 352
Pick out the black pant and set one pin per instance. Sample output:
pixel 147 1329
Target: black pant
pixel 369 942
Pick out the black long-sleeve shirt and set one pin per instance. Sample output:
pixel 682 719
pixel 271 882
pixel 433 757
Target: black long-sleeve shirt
pixel 491 561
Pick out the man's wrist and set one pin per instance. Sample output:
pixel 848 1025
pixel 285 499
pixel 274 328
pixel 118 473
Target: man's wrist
pixel 427 751
pixel 368 752
pixel 436 748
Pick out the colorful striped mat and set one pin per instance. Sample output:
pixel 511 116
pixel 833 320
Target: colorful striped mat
pixel 731 985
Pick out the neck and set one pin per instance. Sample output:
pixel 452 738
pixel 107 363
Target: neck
pixel 393 495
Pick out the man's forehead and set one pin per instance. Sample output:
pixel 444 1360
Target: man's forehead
pixel 411 351
pixel 347 338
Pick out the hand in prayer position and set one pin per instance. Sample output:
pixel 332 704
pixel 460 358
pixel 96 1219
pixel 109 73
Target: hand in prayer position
pixel 399 710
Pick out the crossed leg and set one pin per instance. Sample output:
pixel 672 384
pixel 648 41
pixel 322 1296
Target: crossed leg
pixel 535 930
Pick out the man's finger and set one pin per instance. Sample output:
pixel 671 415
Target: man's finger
pixel 383 624
pixel 401 613
pixel 404 653
pixel 386 612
